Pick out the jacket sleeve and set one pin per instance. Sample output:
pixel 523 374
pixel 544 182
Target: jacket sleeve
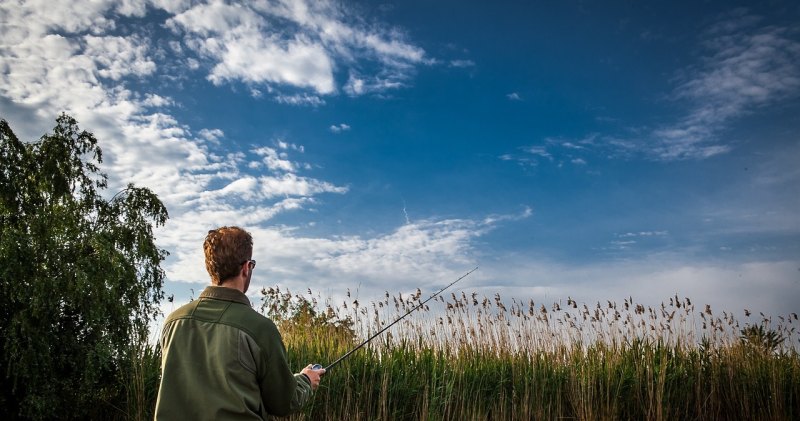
pixel 282 391
pixel 302 393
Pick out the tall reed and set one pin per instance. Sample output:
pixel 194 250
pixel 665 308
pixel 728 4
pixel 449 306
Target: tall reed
pixel 474 357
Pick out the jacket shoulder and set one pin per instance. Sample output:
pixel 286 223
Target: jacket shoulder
pixel 183 311
pixel 250 321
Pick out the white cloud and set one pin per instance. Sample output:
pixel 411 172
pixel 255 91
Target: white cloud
pixel 211 135
pixel 557 150
pixel 250 58
pixel 300 99
pixel 339 128
pixel 216 17
pixel 643 234
pixel 202 185
pixel 286 145
pixel 359 85
pixel 253 190
pixel 292 185
pixel 243 186
pixel 253 43
pixel 118 57
pixel 346 36
pixel 355 86
pixel 526 159
pixel 62 60
pixel 462 63
pixel 83 74
pixel 514 96
pixel 745 68
pixel 274 160
pixel 62 56
pixel 35 19
pixel 538 151
pixel 156 101
pixel 431 254
pixel 527 212
pixel 627 241
pixel 427 251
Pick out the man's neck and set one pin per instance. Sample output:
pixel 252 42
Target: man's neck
pixel 233 283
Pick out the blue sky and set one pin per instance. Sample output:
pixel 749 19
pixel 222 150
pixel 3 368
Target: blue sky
pixel 583 149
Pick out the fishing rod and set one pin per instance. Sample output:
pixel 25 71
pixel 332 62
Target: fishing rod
pixel 319 366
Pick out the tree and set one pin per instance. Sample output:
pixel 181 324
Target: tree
pixel 298 316
pixel 80 276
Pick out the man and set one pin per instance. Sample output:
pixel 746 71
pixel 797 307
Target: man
pixel 221 360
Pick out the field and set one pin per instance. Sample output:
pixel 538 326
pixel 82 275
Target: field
pixel 467 356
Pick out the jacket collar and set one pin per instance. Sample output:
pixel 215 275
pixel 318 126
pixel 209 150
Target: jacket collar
pixel 225 293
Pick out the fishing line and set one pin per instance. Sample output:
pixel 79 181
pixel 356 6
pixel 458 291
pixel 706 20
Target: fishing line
pixel 338 360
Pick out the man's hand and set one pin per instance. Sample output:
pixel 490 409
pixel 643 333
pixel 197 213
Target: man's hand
pixel 313 375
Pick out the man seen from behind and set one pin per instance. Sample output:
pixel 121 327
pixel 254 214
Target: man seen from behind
pixel 222 360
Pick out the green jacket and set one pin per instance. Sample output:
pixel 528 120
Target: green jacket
pixel 221 360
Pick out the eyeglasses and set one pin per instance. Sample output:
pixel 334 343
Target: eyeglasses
pixel 251 262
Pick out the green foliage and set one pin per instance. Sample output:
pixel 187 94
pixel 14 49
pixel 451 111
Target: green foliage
pixel 761 338
pixel 80 276
pixel 296 315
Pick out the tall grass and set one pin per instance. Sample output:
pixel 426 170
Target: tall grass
pixel 475 357
pixel 142 375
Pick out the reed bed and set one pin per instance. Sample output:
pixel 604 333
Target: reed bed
pixel 468 356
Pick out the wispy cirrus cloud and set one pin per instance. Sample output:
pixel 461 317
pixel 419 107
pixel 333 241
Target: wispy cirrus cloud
pixel 745 68
pixel 643 234
pixel 358 84
pixel 742 68
pixel 462 63
pixel 555 150
pixel 303 99
pixel 628 240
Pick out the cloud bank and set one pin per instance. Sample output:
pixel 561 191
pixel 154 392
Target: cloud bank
pixel 83 59
pixel 103 61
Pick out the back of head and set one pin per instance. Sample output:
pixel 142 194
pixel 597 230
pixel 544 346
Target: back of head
pixel 226 249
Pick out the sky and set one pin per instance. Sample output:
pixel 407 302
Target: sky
pixel 592 150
